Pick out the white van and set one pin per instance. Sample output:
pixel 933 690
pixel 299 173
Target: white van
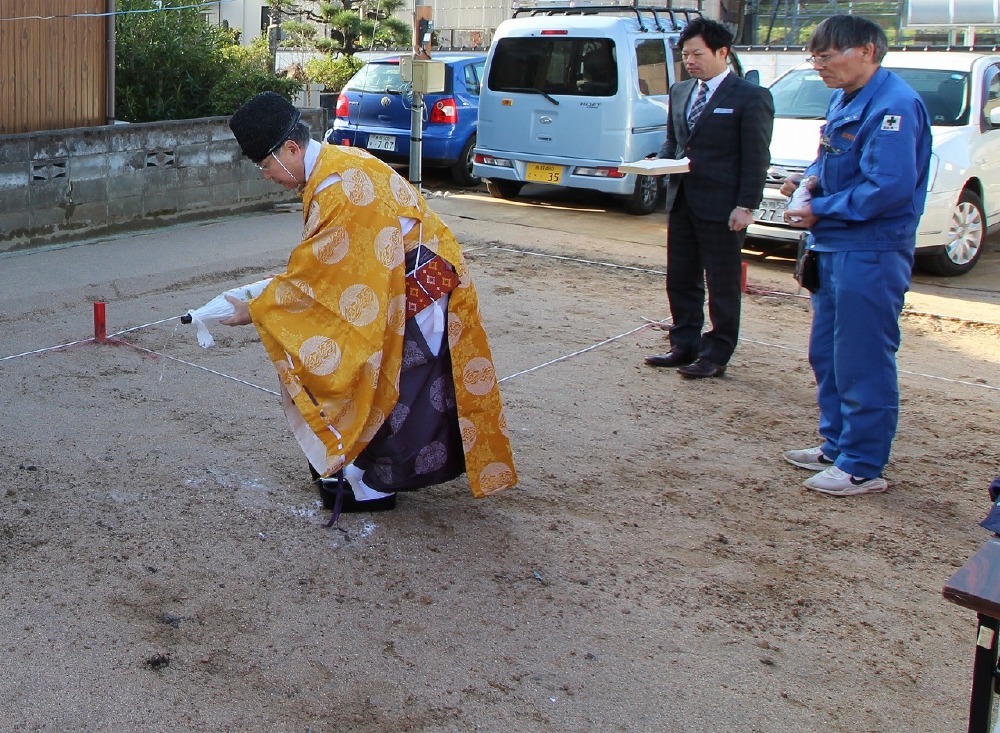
pixel 962 93
pixel 572 92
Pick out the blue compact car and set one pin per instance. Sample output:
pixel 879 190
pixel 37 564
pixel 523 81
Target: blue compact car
pixel 373 112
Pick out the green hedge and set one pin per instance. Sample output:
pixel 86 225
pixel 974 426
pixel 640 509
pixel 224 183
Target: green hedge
pixel 173 65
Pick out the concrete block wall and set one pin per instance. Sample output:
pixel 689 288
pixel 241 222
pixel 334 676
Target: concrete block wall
pixel 63 185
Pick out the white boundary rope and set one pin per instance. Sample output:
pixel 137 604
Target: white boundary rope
pixel 580 260
pixel 47 348
pixel 951 381
pixel 648 323
pixel 205 368
pixel 901 371
pixel 651 271
pixel 575 353
pixel 145 325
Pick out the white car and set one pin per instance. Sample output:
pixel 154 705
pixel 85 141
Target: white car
pixel 962 94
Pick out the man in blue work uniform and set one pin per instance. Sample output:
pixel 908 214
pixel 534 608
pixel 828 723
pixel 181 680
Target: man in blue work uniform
pixel 867 195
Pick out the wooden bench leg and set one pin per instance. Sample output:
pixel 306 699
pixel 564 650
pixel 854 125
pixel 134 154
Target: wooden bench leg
pixel 984 676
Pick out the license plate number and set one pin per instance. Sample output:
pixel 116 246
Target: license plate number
pixel 543 173
pixel 770 212
pixel 381 142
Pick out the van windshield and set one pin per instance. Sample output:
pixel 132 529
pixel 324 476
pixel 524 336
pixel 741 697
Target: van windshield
pixel 802 95
pixel 555 65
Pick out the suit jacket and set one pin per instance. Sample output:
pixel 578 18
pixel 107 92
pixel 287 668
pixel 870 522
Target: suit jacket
pixel 728 147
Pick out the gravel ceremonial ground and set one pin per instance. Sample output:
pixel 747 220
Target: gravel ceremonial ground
pixel 165 565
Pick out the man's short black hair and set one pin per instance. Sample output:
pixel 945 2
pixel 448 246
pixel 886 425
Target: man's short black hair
pixel 714 34
pixel 841 32
pixel 301 134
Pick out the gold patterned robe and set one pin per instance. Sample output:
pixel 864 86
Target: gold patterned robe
pixel 333 323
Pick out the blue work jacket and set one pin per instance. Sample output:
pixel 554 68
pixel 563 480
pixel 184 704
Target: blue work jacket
pixel 872 168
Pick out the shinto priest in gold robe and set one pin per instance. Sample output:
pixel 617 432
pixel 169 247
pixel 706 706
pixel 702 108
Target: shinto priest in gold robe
pixel 400 398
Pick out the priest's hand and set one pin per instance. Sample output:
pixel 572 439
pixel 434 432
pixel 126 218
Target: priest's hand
pixel 241 313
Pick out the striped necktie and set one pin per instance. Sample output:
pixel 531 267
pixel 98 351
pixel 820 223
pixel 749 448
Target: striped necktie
pixel 699 105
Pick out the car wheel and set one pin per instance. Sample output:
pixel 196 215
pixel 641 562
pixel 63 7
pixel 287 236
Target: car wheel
pixel 645 197
pixel 500 188
pixel 461 172
pixel 966 235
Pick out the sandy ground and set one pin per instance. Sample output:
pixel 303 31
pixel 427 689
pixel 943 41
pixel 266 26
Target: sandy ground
pixel 165 565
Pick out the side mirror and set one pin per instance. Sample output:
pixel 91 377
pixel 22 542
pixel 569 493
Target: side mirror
pixel 753 76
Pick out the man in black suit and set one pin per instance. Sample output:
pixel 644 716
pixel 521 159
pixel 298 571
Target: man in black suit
pixel 722 124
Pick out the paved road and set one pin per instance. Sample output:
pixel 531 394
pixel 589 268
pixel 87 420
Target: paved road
pixel 543 220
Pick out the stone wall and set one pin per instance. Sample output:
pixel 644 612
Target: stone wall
pixel 63 185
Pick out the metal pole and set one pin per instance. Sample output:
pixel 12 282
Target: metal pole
pixel 421 49
pixel 416 138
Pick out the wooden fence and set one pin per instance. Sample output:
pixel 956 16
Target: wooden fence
pixel 53 64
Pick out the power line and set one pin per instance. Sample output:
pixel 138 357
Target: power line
pixel 158 9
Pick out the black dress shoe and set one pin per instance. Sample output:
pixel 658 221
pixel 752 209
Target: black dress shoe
pixel 329 488
pixel 701 369
pixel 672 358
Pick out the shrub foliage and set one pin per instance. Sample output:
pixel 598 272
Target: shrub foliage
pixel 172 65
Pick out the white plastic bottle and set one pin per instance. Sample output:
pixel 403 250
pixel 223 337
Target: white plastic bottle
pixel 801 196
pixel 218 308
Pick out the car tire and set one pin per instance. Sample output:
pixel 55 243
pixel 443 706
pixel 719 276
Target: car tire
pixel 966 237
pixel 461 171
pixel 645 197
pixel 500 188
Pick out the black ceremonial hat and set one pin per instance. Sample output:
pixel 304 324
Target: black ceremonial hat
pixel 263 123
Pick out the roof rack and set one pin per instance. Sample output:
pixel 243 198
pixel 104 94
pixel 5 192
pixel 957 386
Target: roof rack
pixel 679 17
pixel 943 47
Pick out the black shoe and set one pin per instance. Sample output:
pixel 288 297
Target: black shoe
pixel 701 369
pixel 672 358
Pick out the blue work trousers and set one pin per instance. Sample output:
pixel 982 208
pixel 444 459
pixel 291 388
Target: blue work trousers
pixel 852 350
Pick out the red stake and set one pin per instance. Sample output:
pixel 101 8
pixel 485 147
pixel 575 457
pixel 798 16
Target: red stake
pixel 100 325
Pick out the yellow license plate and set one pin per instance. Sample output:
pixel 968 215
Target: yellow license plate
pixel 542 173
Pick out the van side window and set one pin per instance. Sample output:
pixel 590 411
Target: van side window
pixel 651 66
pixel 555 65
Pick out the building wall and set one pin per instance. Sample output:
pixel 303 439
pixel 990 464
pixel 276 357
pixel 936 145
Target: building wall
pixel 242 14
pixel 53 64
pixel 468 23
pixel 65 185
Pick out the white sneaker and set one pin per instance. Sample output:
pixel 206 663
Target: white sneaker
pixel 811 458
pixel 835 482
